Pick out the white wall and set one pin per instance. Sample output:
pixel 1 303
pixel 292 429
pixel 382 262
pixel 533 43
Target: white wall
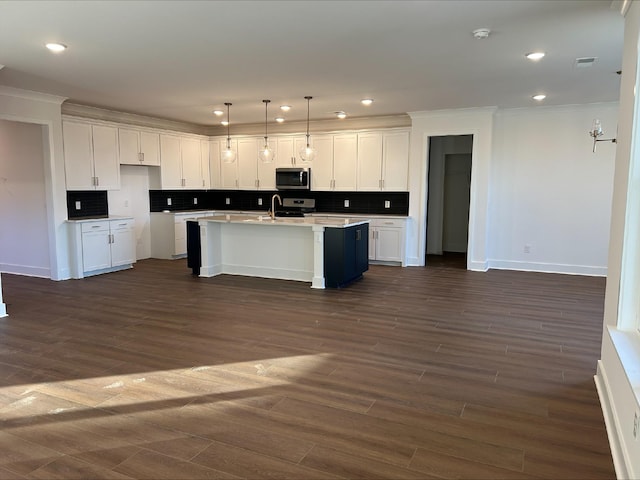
pixel 132 200
pixel 24 245
pixel 549 191
pixel 31 107
pixel 3 306
pixel 618 376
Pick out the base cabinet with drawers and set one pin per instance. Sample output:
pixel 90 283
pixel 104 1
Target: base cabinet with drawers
pixel 102 246
pixel 387 240
pixel 169 233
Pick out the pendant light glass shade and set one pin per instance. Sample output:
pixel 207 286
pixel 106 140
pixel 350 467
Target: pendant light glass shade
pixel 308 153
pixel 266 154
pixel 228 154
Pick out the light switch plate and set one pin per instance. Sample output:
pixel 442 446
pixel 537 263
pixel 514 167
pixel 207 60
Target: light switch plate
pixel 387 204
pixel 168 201
pixel 227 201
pixel 260 202
pixel 195 201
pixel 78 207
pixel 346 204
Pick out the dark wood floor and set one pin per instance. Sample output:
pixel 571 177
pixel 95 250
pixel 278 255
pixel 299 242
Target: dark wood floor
pixel 410 373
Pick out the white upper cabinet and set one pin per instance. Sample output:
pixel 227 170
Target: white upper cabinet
pixel 214 164
pixel 267 171
pixel 322 166
pixel 370 161
pixel 205 167
pixel 345 165
pixel 247 160
pixel 170 162
pixel 91 156
pixel 383 161
pixel 228 171
pixel 181 163
pixel 138 147
pixel 288 151
pixel 190 157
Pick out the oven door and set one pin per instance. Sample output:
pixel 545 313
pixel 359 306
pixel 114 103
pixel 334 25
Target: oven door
pixel 293 178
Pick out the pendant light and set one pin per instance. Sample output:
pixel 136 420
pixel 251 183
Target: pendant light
pixel 308 154
pixel 228 154
pixel 265 154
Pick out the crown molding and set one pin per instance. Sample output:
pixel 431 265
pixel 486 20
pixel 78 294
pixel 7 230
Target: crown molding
pixel 103 114
pixel 330 125
pixel 31 95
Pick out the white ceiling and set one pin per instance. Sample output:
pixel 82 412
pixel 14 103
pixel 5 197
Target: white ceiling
pixel 181 59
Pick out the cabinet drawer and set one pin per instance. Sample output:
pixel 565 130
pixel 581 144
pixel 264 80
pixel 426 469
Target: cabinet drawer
pixel 95 226
pixel 388 222
pixel 121 224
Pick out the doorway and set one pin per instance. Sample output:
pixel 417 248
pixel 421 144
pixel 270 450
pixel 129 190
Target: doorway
pixel 448 200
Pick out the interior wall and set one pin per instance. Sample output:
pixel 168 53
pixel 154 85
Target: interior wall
pixel 41 109
pixel 550 205
pixel 457 180
pixel 24 247
pixel 439 148
pixel 132 200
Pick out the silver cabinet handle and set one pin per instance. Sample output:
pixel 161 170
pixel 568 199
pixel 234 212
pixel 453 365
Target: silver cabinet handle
pixel 141 157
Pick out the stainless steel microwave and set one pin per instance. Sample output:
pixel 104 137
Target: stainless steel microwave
pixel 293 178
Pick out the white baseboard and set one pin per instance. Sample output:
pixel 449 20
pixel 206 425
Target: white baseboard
pixel 477 266
pixel 27 270
pixel 615 443
pixel 548 268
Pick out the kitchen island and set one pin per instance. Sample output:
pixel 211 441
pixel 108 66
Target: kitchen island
pixel 302 249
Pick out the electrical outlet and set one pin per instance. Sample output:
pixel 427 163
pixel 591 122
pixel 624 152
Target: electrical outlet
pixel 227 201
pixel 636 425
pixel 195 201
pixel 259 201
pixel 168 201
pixel 527 248
pixel 387 204
pixel 78 207
pixel 346 203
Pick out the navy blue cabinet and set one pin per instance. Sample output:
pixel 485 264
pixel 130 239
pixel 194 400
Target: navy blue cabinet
pixel 346 254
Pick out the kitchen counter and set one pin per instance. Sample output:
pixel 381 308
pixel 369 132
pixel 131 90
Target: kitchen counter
pixel 258 246
pixel 97 219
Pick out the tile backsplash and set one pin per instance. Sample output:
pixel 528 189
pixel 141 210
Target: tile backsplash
pixel 87 204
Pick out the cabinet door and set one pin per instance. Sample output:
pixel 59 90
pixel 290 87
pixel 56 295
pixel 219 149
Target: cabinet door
pixel 369 161
pixel 170 168
pixel 229 171
pixel 362 248
pixel 150 148
pixel 190 155
pixel 247 163
pixel 105 157
pixel 214 164
pixel 373 233
pixel 267 171
pixel 389 244
pixel 123 245
pixel 286 153
pixel 129 146
pixel 96 253
pixel 395 164
pixel 322 166
pixel 345 156
pixel 78 155
pixel 204 164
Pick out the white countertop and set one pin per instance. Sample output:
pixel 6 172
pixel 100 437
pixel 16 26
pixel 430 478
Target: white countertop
pixel 332 222
pixel 99 219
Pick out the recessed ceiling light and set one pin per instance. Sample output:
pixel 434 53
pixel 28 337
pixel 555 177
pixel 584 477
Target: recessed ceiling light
pixel 218 112
pixel 539 97
pixel 341 115
pixel 535 55
pixel 366 101
pixel 279 119
pixel 56 47
pixel 481 33
pixel 285 108
pixel 224 122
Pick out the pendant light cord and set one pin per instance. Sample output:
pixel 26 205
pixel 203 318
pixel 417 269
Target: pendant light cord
pixel 308 100
pixel 228 123
pixel 266 106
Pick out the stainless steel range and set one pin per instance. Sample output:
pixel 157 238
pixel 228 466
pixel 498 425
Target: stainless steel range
pixel 296 207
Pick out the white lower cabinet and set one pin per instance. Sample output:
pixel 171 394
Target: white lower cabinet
pixel 387 239
pixel 102 246
pixel 169 233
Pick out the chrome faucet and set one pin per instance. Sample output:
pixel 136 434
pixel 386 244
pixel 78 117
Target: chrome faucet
pixel 272 212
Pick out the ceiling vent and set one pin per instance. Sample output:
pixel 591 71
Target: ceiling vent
pixel 585 62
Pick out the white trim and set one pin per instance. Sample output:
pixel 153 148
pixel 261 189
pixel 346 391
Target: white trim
pixel 477 266
pixel 604 394
pixel 26 270
pixel 31 95
pixel 563 268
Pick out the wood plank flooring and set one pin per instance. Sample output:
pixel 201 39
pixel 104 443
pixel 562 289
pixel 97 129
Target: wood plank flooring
pixel 410 373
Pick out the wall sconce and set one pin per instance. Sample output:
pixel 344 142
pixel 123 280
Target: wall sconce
pixel 596 133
